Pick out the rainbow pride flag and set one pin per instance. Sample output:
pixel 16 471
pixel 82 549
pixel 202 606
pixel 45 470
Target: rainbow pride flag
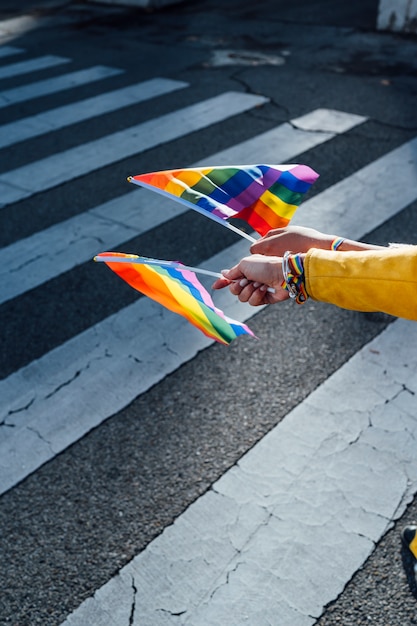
pixel 178 290
pixel 265 196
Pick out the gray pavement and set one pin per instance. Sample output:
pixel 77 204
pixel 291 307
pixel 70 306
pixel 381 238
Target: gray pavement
pixel 76 522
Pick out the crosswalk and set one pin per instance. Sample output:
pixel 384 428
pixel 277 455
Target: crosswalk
pixel 117 220
pixel 54 400
pixel 83 110
pixel 6 51
pixel 49 86
pixel 34 65
pixel 57 169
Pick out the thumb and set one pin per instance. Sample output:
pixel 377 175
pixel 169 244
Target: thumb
pixel 233 273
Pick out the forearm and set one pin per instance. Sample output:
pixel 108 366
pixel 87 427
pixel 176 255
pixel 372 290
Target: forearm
pixel 301 239
pixel 384 279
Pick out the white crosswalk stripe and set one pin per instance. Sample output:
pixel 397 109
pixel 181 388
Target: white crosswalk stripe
pixel 64 116
pixel 366 198
pixel 53 401
pixel 6 51
pixel 48 86
pixel 25 181
pixel 203 568
pixel 33 65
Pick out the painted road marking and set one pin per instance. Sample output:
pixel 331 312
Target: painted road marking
pixel 111 354
pixel 61 117
pixel 6 51
pixel 356 202
pixel 18 26
pixel 42 256
pixel 47 173
pixel 397 15
pixel 33 65
pixel 283 531
pixel 49 86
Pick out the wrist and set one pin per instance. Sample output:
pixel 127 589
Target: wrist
pixel 293 273
pixel 349 245
pixel 336 243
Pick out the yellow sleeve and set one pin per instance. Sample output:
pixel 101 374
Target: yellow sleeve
pixel 374 280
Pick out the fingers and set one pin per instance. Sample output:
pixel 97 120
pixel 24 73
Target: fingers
pixel 260 296
pixel 236 286
pixel 229 277
pixel 243 288
pixel 255 293
pixel 255 279
pixel 250 292
pixel 220 283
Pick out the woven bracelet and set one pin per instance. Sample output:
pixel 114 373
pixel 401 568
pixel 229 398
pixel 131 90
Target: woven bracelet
pixel 293 272
pixel 336 243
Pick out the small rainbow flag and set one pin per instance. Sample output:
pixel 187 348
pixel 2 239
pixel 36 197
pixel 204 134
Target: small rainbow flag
pixel 265 196
pixel 178 290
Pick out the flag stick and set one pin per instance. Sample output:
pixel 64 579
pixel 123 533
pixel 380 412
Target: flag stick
pixel 147 261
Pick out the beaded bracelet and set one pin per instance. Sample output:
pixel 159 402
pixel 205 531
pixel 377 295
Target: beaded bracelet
pixel 336 243
pixel 293 272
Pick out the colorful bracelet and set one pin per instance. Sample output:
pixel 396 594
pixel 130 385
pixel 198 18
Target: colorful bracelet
pixel 293 272
pixel 336 243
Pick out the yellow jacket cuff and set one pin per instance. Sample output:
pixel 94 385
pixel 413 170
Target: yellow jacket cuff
pixel 373 280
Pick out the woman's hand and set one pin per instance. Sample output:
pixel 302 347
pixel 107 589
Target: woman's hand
pixel 250 279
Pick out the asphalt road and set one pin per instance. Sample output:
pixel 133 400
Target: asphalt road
pixel 70 526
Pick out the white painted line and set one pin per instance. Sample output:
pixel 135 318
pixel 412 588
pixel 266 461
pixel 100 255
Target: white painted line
pixel 372 195
pixel 6 51
pixel 65 166
pixel 36 259
pixel 290 139
pixel 30 127
pixel 100 371
pixel 397 15
pixel 33 65
pixel 283 531
pixel 17 26
pixel 328 120
pixel 49 86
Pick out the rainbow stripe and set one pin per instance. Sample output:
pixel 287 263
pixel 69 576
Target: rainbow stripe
pixel 179 291
pixel 265 196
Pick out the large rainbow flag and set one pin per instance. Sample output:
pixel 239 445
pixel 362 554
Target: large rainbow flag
pixel 265 196
pixel 178 290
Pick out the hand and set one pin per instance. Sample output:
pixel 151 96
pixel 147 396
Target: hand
pixel 251 277
pixel 293 238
